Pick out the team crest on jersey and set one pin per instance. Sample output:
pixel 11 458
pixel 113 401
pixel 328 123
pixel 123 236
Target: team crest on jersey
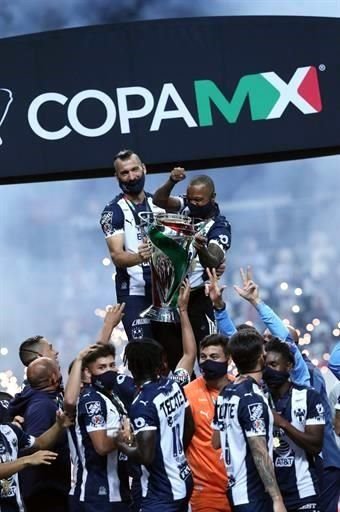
pixel 300 414
pixel 92 408
pixel 97 420
pixel 255 411
pixel 139 422
pixel 106 222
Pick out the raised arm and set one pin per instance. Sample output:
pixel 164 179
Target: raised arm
pixel 162 197
pixel 114 315
pixel 250 292
pixel 74 381
pixel 188 338
pixel 224 323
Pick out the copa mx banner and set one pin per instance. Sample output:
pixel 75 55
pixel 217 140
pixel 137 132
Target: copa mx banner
pixel 198 92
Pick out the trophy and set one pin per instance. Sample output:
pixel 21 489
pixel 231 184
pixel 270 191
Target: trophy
pixel 171 236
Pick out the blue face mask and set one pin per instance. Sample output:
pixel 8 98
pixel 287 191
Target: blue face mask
pixel 105 381
pixel 134 187
pixel 213 370
pixel 274 378
pixel 202 212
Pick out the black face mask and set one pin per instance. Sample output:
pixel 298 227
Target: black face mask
pixel 105 381
pixel 213 370
pixel 134 187
pixel 274 378
pixel 202 212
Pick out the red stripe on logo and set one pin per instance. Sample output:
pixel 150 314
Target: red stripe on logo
pixel 309 89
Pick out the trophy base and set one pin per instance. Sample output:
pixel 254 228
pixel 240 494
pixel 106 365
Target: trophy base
pixel 166 314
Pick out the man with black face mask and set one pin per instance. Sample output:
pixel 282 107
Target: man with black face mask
pixel 102 478
pixel 298 430
pixel 129 250
pixel 211 242
pixel 208 470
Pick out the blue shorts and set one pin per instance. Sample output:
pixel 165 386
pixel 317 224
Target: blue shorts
pixel 134 326
pixel 152 505
pixel 97 506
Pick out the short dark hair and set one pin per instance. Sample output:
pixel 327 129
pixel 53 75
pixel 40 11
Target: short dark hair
pixel 241 327
pixel 204 180
pixel 144 358
pixel 216 339
pixel 245 347
pixel 124 154
pixel 280 347
pixel 29 349
pixel 101 351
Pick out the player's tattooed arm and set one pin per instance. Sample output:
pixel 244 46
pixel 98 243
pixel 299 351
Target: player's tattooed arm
pixel 265 468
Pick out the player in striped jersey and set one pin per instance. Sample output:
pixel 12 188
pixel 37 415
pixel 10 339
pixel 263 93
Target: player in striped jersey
pixel 161 419
pixel 101 476
pixel 13 439
pixel 299 428
pixel 130 253
pixel 243 425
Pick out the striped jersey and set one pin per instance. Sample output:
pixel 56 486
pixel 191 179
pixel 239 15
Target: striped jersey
pixel 12 439
pixel 160 406
pixel 120 217
pixel 242 412
pixel 294 468
pixel 97 475
pixel 217 230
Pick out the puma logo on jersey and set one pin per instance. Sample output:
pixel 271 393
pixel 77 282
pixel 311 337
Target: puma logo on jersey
pixel 205 414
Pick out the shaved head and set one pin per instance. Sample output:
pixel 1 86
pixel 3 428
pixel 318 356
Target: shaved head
pixel 40 372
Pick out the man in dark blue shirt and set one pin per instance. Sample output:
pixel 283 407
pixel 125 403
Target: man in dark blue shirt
pixel 38 403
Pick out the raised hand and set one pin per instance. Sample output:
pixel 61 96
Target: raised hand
pixel 41 457
pixel 184 296
pixel 249 290
pixel 87 350
pixel 177 174
pixel 114 314
pixel 214 290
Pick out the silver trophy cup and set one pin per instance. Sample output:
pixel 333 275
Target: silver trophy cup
pixel 171 236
